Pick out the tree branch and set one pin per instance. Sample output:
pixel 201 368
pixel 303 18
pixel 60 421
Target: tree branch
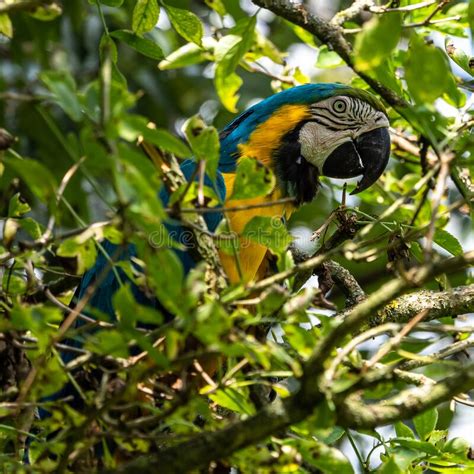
pixel 352 413
pixel 332 35
pixel 173 178
pixel 208 446
pixel 440 304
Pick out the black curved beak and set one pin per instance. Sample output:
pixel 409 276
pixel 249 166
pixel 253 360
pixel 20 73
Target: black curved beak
pixel 367 155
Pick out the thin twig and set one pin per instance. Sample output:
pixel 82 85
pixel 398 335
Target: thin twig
pixel 395 340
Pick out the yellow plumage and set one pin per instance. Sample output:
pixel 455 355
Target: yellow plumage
pixel 261 145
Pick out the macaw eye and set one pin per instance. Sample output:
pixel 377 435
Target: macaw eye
pixel 339 106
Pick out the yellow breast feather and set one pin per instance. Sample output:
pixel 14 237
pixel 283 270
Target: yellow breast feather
pixel 251 255
pixel 250 262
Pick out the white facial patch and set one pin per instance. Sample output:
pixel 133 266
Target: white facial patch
pixel 318 142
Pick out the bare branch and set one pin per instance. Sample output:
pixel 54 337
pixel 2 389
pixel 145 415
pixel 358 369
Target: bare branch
pixel 208 446
pixel 332 35
pixel 440 304
pixel 352 413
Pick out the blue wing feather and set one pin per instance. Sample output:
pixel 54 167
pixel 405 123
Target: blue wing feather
pixel 239 130
pixel 102 297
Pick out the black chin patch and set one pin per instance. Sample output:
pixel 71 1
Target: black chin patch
pixel 344 162
pixel 296 176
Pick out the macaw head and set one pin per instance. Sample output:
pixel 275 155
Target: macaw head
pixel 307 131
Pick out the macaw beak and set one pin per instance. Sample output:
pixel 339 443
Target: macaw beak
pixel 367 155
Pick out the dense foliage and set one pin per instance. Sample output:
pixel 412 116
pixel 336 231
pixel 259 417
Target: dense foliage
pixel 86 89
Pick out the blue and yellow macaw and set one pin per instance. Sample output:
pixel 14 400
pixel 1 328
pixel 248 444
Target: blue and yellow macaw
pixel 300 133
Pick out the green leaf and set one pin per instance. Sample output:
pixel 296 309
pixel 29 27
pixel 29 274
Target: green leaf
pixel 186 24
pixel 46 12
pixel 426 71
pixel 108 49
pixel 325 458
pixel 17 206
pixel 217 5
pixel 145 16
pixel 227 87
pixel 448 242
pixel 403 431
pixel 457 446
pixel 377 40
pixel 144 46
pixel 470 16
pixel 458 55
pixel 389 466
pixel 129 311
pixel 404 458
pixel 417 445
pixel 233 400
pixel 83 250
pixel 187 55
pixel 36 176
pixel 6 27
pixel 134 126
pixel 212 322
pixel 228 52
pixel 328 59
pixel 34 318
pixel 166 278
pixel 252 179
pixel 62 86
pixel 425 423
pixel 110 342
pixel 204 141
pixel 302 340
pixel 32 227
pixel 268 231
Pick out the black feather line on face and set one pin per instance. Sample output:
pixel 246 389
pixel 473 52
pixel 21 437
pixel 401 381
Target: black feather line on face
pixel 296 177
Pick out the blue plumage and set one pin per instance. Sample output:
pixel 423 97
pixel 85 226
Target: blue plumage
pixel 102 297
pixel 239 130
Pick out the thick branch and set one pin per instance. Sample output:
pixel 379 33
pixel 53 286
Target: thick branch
pixel 453 302
pixel 331 35
pixel 346 282
pixel 351 413
pixel 352 12
pixel 205 447
pixel 209 446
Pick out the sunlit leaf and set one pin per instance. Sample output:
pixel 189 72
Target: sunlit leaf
pixel 18 206
pixel 204 141
pixel 268 231
pixel 252 180
pixel 186 23
pixel 36 176
pixel 426 71
pixel 377 40
pixel 228 52
pixel 187 55
pixel 84 252
pixel 144 46
pixel 446 240
pixel 6 27
pixel 145 16
pixel 328 59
